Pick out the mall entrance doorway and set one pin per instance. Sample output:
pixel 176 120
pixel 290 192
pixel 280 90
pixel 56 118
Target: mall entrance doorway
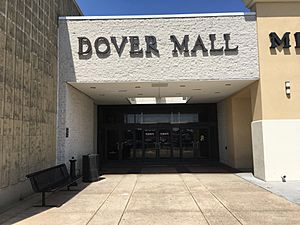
pixel 158 133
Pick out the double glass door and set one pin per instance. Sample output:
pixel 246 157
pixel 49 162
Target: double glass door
pixel 157 143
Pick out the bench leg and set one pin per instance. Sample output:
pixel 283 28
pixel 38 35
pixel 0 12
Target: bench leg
pixel 44 202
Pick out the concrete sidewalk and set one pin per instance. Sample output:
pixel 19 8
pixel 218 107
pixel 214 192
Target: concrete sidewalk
pixel 152 197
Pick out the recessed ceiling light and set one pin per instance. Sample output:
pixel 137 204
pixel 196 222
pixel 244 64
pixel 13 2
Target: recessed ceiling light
pixel 160 85
pixel 227 84
pixel 122 90
pixel 182 86
pixel 93 87
pixel 161 100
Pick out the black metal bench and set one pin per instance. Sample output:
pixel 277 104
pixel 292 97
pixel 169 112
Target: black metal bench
pixel 51 180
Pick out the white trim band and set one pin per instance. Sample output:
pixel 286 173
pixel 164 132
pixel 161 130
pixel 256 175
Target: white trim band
pixel 157 16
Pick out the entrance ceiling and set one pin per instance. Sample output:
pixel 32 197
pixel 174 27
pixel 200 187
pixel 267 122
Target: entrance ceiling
pixel 197 91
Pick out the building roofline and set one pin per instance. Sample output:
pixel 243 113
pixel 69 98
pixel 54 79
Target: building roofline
pixel 157 16
pixel 78 8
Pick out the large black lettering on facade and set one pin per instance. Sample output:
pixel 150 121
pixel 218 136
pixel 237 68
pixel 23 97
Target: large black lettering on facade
pixel 183 47
pixel 135 50
pixel 120 48
pixel 151 45
pixel 102 46
pixel 84 42
pixel 199 45
pixel 277 41
pixel 285 41
pixel 213 38
pixel 227 45
pixel 102 41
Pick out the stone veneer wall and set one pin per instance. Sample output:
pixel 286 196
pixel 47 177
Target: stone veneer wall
pixel 28 78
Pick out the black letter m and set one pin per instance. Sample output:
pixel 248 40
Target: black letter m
pixel 276 41
pixel 181 47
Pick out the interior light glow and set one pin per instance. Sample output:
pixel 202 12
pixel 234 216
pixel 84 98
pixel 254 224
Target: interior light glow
pixel 161 100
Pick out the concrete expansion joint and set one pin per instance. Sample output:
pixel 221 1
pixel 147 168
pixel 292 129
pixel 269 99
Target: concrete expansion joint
pixel 127 203
pixel 105 200
pixel 219 200
pixel 188 189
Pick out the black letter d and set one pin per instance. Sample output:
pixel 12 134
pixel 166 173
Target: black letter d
pixel 84 41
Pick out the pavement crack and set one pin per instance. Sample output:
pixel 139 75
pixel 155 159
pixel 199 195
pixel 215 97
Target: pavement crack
pixel 187 187
pixel 219 200
pixel 105 200
pixel 127 203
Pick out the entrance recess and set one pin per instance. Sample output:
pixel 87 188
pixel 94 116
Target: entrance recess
pixel 157 133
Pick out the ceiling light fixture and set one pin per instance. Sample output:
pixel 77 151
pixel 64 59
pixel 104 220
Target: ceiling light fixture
pixel 160 85
pixel 155 101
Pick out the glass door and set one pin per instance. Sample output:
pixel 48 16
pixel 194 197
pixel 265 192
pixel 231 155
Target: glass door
pixel 164 143
pixel 139 148
pixel 188 143
pixel 150 143
pixel 127 144
pixel 112 144
pixel 176 147
pixel 203 142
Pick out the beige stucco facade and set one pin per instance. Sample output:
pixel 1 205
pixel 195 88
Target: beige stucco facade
pixel 234 122
pixel 276 115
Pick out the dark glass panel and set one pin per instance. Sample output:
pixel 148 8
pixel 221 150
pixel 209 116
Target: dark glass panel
pixel 164 136
pixel 150 143
pixel 138 143
pixel 176 142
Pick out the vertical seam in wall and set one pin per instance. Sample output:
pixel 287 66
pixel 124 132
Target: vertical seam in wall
pixel 21 99
pixel 3 107
pixel 57 103
pixel 263 149
pixel 13 100
pixel 259 90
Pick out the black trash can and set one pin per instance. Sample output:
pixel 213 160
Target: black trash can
pixel 90 168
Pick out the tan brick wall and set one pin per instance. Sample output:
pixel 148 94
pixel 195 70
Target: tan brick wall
pixel 28 76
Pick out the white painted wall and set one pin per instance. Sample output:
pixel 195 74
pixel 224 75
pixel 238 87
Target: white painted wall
pixel 80 119
pixel 276 149
pixel 241 66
